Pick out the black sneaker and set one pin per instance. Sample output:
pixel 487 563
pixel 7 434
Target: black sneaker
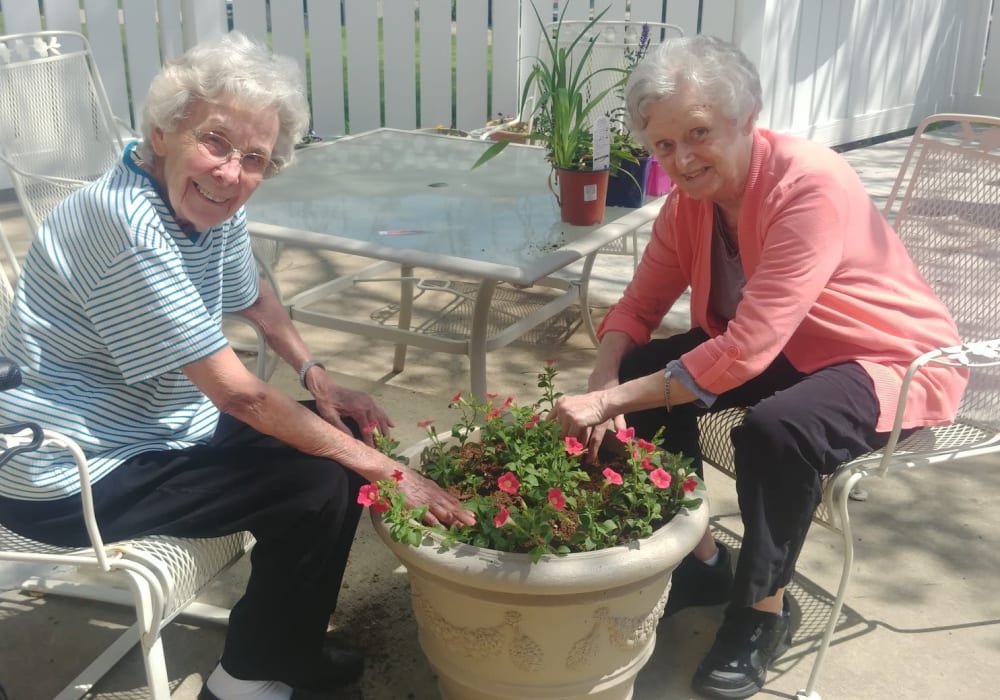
pixel 696 583
pixel 745 646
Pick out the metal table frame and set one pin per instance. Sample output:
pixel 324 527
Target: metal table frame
pixel 339 223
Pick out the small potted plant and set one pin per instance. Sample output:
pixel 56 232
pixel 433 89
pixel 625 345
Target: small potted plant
pixel 561 88
pixel 558 587
pixel 628 177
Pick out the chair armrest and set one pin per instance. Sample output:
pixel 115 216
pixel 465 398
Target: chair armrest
pixel 985 353
pixel 29 436
pixel 10 374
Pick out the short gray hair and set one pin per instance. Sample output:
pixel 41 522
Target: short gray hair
pixel 229 67
pixel 718 69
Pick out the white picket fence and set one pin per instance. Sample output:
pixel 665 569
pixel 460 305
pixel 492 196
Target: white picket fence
pixel 833 70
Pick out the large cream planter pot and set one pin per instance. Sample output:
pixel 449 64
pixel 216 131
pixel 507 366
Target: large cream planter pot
pixel 496 626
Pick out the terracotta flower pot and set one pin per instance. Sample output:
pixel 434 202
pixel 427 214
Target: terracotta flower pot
pixel 495 626
pixel 582 195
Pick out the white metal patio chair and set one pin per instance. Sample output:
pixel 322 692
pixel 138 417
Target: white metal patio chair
pixel 946 200
pixel 159 576
pixel 57 133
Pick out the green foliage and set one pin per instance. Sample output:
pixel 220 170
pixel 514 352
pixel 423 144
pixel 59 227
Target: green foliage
pixel 560 82
pixel 532 489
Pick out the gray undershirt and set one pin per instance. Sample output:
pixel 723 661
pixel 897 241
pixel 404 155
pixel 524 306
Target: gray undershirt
pixel 724 295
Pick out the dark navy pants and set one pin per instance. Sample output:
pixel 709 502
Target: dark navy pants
pixel 799 426
pixel 302 510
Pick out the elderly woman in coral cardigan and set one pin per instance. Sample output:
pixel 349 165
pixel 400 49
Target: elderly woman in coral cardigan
pixel 806 310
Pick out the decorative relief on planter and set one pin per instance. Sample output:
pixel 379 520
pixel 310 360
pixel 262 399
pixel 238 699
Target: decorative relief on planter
pixel 623 633
pixel 481 642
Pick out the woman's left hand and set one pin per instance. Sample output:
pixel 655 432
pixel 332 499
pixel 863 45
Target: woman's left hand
pixel 334 402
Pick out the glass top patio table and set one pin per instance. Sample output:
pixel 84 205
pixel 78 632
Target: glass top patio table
pixel 412 199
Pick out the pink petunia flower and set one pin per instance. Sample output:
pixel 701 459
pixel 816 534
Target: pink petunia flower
pixel 493 413
pixel 508 403
pixel 500 518
pixel 457 397
pixel 626 435
pixel 425 423
pixel 370 428
pixel 532 422
pixel 509 483
pixel 368 495
pixel 612 476
pixel 380 507
pixel 647 465
pixel 397 475
pixel 490 397
pixel 573 446
pixel 550 361
pixel 661 478
pixel 645 445
pixel 690 484
pixel 556 499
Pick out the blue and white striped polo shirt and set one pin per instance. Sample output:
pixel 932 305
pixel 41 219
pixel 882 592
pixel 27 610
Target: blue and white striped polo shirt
pixel 113 300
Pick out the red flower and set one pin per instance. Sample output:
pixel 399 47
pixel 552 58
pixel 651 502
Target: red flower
pixel 457 397
pixel 690 484
pixel 612 476
pixel 531 422
pixel 501 517
pixel 368 495
pixel 370 428
pixel 397 475
pixel 661 478
pixel 493 413
pixel 573 446
pixel 490 396
pixel 646 464
pixel 380 507
pixel 550 361
pixel 556 499
pixel 645 445
pixel 509 483
pixel 626 435
pixel 508 403
pixel 425 423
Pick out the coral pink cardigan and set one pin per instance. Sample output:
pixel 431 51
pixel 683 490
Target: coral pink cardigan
pixel 828 281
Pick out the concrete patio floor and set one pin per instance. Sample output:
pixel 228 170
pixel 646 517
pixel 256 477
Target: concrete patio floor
pixel 920 620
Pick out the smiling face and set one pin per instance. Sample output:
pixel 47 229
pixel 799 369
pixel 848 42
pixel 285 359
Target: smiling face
pixel 706 153
pixel 202 191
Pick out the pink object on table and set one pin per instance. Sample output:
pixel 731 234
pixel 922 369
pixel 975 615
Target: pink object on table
pixel 657 182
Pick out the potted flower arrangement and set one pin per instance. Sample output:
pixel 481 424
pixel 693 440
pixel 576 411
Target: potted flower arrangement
pixel 562 89
pixel 557 589
pixel 628 177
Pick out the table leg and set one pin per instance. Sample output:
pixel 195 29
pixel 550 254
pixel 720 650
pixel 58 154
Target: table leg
pixel 406 284
pixel 584 282
pixel 477 338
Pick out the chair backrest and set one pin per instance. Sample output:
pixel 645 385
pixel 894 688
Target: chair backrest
pixel 617 44
pixel 57 130
pixel 948 216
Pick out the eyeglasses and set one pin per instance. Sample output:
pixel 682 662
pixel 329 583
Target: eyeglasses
pixel 219 148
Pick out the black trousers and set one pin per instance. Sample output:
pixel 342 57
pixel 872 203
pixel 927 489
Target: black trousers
pixel 799 426
pixel 302 510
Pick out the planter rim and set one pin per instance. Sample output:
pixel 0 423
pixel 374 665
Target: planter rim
pixel 598 570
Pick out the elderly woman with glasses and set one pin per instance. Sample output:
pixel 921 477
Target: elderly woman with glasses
pixel 806 310
pixel 116 330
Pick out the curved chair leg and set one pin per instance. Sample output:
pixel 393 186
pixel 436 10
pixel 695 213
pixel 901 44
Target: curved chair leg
pixel 150 621
pixel 841 493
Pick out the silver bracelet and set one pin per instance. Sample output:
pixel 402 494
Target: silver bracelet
pixel 309 364
pixel 666 388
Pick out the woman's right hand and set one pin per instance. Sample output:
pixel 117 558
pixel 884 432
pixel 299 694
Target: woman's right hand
pixel 443 507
